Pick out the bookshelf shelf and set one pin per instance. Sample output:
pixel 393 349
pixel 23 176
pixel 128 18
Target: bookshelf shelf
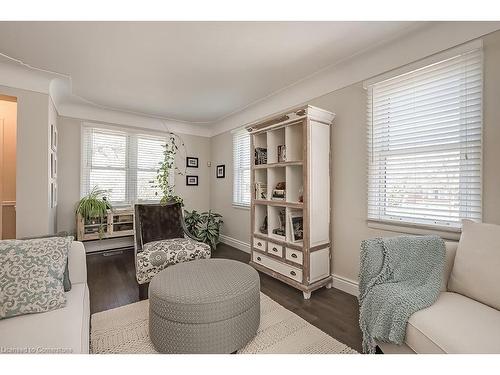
pixel 291 233
pixel 277 203
pixel 277 165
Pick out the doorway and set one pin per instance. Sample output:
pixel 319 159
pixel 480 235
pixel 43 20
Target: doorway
pixel 8 142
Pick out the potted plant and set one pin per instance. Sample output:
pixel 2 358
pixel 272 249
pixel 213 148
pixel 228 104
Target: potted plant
pixel 163 174
pixel 192 220
pixel 206 226
pixel 94 207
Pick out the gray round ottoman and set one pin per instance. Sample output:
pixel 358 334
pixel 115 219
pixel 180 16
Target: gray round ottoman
pixel 204 306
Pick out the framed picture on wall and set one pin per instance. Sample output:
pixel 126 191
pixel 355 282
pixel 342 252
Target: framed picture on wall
pixel 220 171
pixel 53 137
pixel 191 180
pixel 53 165
pixel 53 194
pixel 191 162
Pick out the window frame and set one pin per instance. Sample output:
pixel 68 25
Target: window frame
pixel 237 169
pixel 447 232
pixel 131 161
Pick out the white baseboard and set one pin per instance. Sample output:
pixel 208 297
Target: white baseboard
pixel 240 245
pixel 346 285
pixel 339 282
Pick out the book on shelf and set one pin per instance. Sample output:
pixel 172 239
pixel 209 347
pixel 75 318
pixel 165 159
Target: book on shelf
pixel 278 195
pixel 260 155
pixel 281 153
pixel 260 191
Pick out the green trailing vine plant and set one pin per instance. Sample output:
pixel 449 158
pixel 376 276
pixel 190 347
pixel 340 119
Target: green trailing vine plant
pixel 163 174
pixel 94 207
pixel 206 226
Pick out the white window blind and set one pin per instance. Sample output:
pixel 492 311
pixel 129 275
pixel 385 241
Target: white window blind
pixel 424 144
pixel 149 156
pixel 121 162
pixel 241 168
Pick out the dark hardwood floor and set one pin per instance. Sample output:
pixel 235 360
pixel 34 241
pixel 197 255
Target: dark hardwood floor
pixel 112 283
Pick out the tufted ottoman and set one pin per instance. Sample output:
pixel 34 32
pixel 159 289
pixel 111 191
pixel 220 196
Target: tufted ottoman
pixel 204 306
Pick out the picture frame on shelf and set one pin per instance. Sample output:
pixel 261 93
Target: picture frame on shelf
pixel 191 162
pixel 296 222
pixel 191 180
pixel 220 171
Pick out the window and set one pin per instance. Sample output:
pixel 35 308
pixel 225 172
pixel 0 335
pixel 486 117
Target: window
pixel 241 168
pixel 424 139
pixel 121 162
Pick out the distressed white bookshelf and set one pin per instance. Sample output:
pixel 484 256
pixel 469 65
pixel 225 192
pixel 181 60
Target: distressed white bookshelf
pixel 302 263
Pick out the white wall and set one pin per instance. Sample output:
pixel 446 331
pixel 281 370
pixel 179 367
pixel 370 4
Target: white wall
pixel 69 173
pixel 434 38
pixel 52 210
pixel 195 197
pixel 32 189
pixel 236 220
pixel 349 178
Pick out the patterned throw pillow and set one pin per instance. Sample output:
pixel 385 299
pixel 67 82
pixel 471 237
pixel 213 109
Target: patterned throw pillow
pixel 31 275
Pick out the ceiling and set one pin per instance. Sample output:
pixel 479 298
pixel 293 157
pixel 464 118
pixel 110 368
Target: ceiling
pixel 197 72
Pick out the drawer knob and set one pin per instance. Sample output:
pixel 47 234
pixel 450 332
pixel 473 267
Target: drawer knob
pixel 259 243
pixel 292 273
pixel 258 258
pixel 275 249
pixel 294 255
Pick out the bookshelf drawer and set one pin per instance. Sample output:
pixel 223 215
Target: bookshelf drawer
pixel 259 244
pixel 293 255
pixel 277 266
pixel 275 249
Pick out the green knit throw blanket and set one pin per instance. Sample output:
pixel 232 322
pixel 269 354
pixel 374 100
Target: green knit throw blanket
pixel 398 277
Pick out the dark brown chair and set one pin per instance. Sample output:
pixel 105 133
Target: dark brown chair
pixel 162 240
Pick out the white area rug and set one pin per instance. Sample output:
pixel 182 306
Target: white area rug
pixel 125 330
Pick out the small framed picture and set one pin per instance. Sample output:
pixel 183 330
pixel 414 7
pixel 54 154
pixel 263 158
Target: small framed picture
pixel 53 165
pixel 191 162
pixel 53 137
pixel 220 171
pixel 53 194
pixel 191 180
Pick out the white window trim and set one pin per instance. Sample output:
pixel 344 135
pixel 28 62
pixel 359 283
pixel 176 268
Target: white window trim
pixel 234 204
pixel 449 53
pixel 389 226
pixel 84 172
pixel 449 233
pixel 241 206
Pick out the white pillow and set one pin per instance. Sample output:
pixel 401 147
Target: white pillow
pixel 31 275
pixel 476 271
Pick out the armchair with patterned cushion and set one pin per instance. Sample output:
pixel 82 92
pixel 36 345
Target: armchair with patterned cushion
pixel 162 240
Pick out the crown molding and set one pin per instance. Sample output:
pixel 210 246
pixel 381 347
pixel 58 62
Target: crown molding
pixel 17 75
pixel 421 43
pixel 413 46
pixel 21 77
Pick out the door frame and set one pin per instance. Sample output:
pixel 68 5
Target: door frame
pixel 1 176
